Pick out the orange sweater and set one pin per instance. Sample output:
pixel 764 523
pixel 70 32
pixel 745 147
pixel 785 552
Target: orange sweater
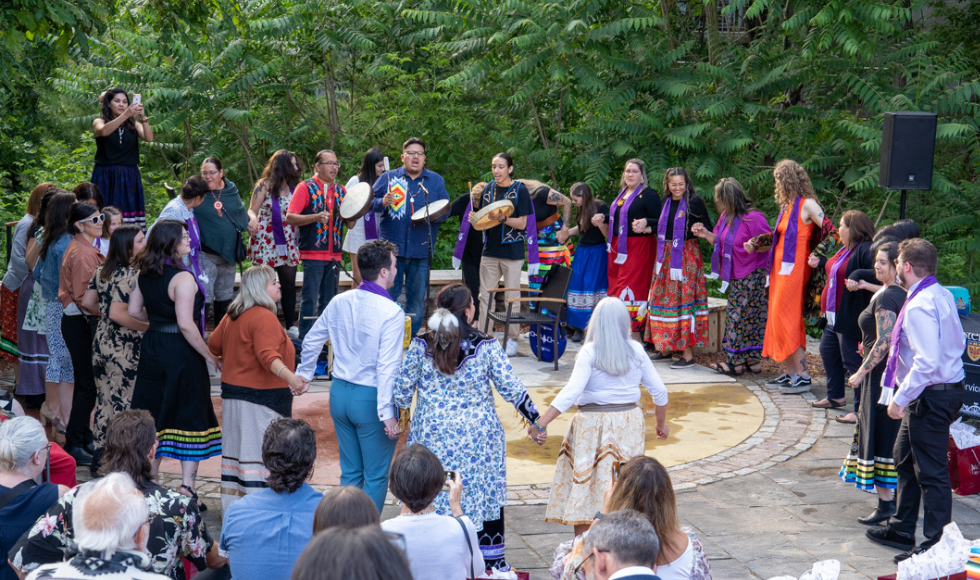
pixel 249 345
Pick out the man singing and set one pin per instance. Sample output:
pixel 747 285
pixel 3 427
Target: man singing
pixel 366 329
pixel 922 386
pixel 398 194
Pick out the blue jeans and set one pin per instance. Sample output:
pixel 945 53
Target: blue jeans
pixel 415 271
pixel 320 278
pixel 365 450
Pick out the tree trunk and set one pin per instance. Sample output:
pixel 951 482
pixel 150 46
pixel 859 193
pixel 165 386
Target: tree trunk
pixel 711 26
pixel 665 14
pixel 331 87
pixel 544 139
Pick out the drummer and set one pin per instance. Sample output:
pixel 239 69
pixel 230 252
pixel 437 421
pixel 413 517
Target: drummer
pixel 552 228
pixel 504 244
pixel 315 211
pixel 398 194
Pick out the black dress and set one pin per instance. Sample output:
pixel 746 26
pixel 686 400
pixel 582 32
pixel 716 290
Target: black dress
pixel 172 380
pixel 870 462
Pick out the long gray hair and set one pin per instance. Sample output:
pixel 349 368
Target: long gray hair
pixel 20 439
pixel 253 292
pixel 609 334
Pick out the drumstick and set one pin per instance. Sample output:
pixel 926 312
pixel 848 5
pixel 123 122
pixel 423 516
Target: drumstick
pixel 387 169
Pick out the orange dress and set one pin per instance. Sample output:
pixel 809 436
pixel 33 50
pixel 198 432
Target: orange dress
pixel 785 331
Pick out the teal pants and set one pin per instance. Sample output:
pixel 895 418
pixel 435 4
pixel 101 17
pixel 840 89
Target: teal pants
pixel 365 450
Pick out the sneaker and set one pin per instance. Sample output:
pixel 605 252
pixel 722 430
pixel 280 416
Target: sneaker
pixel 796 386
pixel 511 347
pixel 906 555
pixel 781 380
pixel 577 335
pixel 888 537
pixel 293 332
pixel 683 363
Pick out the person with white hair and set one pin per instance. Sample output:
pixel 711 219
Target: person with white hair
pixel 451 369
pixel 609 427
pixel 623 546
pixel 23 455
pixel 111 530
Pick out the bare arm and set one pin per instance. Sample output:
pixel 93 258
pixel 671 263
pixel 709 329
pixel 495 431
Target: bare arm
pixel 143 128
pixel 297 219
pixel 102 128
pixel 885 323
pixel 557 198
pixel 33 252
pixel 119 313
pixel 90 301
pixel 136 303
pixel 258 198
pixel 812 214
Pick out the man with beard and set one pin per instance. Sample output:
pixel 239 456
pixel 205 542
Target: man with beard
pixel 922 386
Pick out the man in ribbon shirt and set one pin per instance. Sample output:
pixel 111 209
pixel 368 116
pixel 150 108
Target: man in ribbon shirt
pixel 922 386
pixel 366 329
pixel 398 194
pixel 315 210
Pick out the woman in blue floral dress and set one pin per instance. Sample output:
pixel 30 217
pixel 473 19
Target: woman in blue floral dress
pixel 451 369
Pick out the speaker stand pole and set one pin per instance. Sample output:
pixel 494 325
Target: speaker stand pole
pixel 902 205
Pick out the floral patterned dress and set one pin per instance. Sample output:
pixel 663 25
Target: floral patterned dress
pixel 262 246
pixel 176 530
pixel 456 418
pixel 117 351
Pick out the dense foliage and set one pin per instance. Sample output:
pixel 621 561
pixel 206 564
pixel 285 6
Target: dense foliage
pixel 571 89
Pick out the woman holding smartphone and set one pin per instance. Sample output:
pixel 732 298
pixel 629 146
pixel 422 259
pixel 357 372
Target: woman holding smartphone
pixel 120 127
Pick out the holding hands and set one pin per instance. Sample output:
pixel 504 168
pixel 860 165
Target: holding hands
pixel 598 219
pixel 539 436
pixel 392 430
pixel 749 247
pixel 562 235
pixel 813 261
pixel 699 230
pixel 640 226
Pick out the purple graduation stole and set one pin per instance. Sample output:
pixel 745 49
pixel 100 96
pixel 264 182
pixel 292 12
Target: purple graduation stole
pixel 891 369
pixel 677 243
pixel 841 258
pixel 531 235
pixel 464 233
pixel 789 239
pixel 370 226
pixel 373 288
pixel 622 224
pixel 200 286
pixel 194 231
pixel 725 246
pixel 278 231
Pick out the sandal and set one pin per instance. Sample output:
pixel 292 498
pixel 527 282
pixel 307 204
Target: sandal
pixel 201 506
pixel 660 355
pixel 755 367
pixel 843 419
pixel 828 403
pixel 725 369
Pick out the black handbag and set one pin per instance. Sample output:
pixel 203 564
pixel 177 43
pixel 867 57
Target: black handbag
pixel 241 252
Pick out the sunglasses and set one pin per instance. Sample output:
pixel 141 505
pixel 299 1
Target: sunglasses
pixel 94 220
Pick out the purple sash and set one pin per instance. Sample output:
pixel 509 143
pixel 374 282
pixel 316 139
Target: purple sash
pixel 370 226
pixel 622 224
pixel 831 309
pixel 278 231
pixel 464 233
pixel 373 288
pixel 677 243
pixel 724 245
pixel 891 369
pixel 200 286
pixel 789 239
pixel 194 231
pixel 531 234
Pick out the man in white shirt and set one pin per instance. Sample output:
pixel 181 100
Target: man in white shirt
pixel 366 329
pixel 924 374
pixel 622 546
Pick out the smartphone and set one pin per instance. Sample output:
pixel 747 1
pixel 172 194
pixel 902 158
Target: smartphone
pixel 137 99
pixel 450 475
pixel 617 468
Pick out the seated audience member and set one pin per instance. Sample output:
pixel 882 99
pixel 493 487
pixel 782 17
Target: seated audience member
pixel 345 507
pixel 644 486
pixel 176 528
pixel 264 532
pixel 622 546
pixel 111 532
pixel 61 466
pixel 436 545
pixel 23 455
pixel 353 554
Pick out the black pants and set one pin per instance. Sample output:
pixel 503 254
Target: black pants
pixel 78 333
pixel 923 466
pixel 840 360
pixel 471 277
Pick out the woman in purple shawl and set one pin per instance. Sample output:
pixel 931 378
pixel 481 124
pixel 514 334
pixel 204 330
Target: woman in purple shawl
pixel 743 276
pixel 677 311
pixel 275 244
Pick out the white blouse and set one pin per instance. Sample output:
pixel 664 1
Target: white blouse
pixel 589 384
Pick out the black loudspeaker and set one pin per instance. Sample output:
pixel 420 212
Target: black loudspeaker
pixel 908 145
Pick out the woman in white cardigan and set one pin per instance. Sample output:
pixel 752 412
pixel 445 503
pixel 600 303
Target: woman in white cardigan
pixel 609 427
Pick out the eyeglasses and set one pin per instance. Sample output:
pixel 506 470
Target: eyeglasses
pixel 210 173
pixel 185 236
pixel 330 164
pixel 579 573
pixel 94 220
pixel 414 153
pixel 397 540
